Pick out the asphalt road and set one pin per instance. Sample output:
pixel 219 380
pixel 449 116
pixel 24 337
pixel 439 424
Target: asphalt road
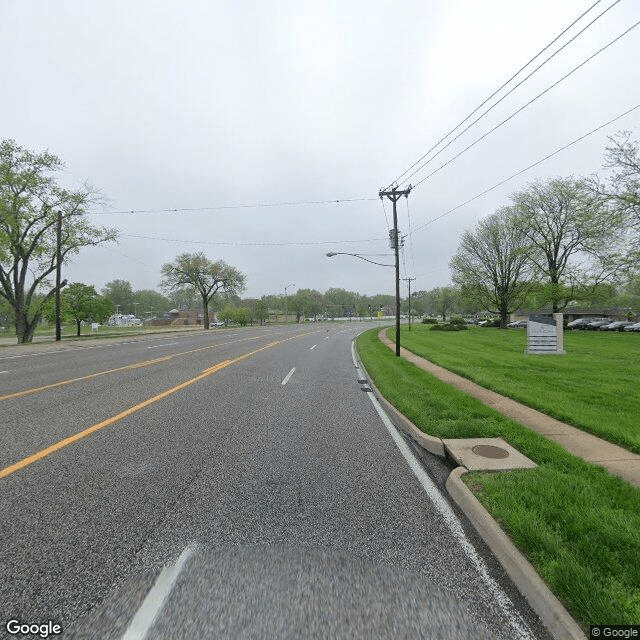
pixel 229 483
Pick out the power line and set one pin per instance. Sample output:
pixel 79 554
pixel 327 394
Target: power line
pixel 251 244
pixel 234 206
pixel 495 104
pixel 413 258
pixel 551 86
pixel 124 255
pixel 535 164
pixel 502 86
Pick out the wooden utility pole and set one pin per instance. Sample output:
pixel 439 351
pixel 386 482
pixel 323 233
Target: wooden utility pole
pixel 58 273
pixel 394 195
pixel 409 281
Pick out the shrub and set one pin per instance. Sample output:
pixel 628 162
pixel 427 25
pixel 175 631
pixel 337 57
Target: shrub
pixel 449 327
pixel 429 321
pixel 457 320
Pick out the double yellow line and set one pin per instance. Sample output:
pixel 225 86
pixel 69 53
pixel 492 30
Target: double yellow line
pixel 136 365
pixel 25 462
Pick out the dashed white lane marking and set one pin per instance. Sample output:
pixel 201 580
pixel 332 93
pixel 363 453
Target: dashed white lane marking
pixel 288 376
pixel 153 603
pixel 450 519
pixel 312 348
pixel 5 371
pixel 166 344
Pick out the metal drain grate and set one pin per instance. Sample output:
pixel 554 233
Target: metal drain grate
pixel 489 451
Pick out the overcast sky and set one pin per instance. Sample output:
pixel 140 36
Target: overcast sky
pixel 198 104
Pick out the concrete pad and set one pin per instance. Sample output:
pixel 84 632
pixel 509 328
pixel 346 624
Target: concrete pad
pixel 486 454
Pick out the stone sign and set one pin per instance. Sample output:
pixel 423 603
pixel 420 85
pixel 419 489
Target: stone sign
pixel 544 334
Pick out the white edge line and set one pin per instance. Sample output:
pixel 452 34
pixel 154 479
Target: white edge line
pixel 450 519
pixel 288 376
pixel 153 603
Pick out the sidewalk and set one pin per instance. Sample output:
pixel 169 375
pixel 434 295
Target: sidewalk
pixel 615 459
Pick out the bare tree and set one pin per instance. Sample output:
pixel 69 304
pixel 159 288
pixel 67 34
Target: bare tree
pixel 206 276
pixel 493 265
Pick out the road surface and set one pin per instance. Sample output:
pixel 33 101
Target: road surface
pixel 229 483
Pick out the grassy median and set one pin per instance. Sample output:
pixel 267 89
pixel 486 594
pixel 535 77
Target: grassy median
pixel 578 525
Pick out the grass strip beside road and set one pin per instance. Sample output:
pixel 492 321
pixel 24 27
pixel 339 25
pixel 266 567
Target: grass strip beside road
pixel 594 386
pixel 578 525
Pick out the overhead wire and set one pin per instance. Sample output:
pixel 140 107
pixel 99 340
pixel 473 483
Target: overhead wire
pixel 502 86
pixel 413 258
pixel 250 244
pixel 233 206
pixel 527 104
pixel 534 164
pixel 495 104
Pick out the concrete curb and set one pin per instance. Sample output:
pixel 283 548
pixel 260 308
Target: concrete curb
pixel 551 611
pixel 431 444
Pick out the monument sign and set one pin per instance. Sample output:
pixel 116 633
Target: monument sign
pixel 544 334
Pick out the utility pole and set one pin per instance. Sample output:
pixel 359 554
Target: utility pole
pixel 58 273
pixel 409 281
pixel 394 195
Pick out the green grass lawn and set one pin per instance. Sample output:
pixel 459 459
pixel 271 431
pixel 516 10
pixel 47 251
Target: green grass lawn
pixel 595 386
pixel 578 525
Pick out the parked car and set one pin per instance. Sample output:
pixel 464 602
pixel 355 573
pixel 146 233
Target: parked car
pixel 518 324
pixel 633 327
pixel 594 325
pixel 618 325
pixel 579 324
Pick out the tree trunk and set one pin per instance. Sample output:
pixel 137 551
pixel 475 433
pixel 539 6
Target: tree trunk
pixel 205 311
pixel 78 326
pixel 24 328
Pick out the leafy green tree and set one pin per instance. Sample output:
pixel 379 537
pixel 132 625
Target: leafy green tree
pixel 493 264
pixel 81 303
pixel 121 294
pixel 6 314
pixel 574 237
pixel 204 275
pixel 30 200
pixel 622 156
pixel 227 315
pixel 260 310
pixel 243 316
pixel 185 298
pixel 146 300
pixel 306 302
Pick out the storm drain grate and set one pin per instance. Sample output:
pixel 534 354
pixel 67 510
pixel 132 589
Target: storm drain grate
pixel 489 451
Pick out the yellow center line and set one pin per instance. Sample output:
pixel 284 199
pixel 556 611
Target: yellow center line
pixel 136 365
pixel 25 462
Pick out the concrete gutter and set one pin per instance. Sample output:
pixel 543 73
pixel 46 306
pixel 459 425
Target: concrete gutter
pixel 549 609
pixel 524 576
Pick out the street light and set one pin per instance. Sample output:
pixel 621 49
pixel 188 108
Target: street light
pixel 286 310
